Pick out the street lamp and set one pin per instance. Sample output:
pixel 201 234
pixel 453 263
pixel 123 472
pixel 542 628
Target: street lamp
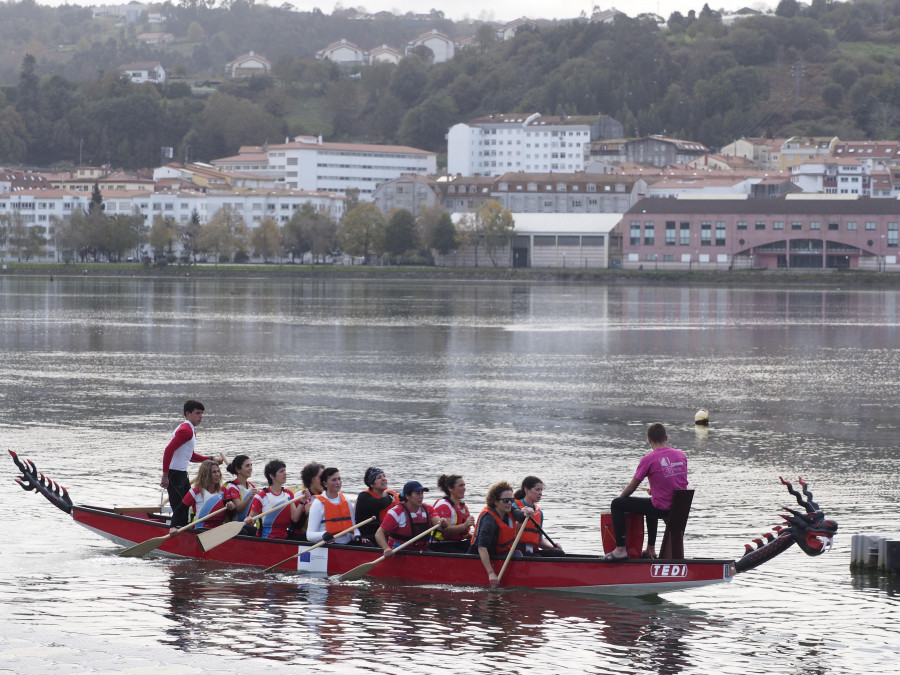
pixel 80 145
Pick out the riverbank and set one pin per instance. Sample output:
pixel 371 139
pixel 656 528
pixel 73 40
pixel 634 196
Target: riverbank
pixel 828 278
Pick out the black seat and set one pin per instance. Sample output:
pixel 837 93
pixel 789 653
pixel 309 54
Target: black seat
pixel 673 540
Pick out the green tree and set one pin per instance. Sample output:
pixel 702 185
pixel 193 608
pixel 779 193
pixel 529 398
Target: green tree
pixel 833 95
pixel 443 236
pixel 13 132
pixel 409 80
pixel 96 204
pixel 496 226
pixel 221 234
pixel 787 8
pixel 295 235
pixel 426 125
pixel 266 239
pixel 24 242
pixel 322 234
pixel 120 234
pixel 362 231
pixel 400 232
pixel 467 235
pixel 228 122
pixel 190 236
pixel 162 235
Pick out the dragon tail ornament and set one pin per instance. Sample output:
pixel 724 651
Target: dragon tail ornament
pixel 38 482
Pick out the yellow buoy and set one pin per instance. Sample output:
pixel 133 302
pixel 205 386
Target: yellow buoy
pixel 701 418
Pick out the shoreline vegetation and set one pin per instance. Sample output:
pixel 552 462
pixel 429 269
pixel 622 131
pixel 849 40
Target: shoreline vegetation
pixel 761 277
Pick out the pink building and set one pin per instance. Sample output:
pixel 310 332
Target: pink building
pixel 806 231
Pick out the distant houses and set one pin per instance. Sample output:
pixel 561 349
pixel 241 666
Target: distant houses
pixel 441 46
pixel 248 65
pixel 343 52
pixel 511 29
pixel 346 53
pixel 144 71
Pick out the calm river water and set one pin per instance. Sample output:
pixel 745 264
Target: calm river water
pixel 488 380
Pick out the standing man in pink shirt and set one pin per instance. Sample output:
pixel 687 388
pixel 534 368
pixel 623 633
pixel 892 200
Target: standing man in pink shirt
pixel 178 454
pixel 666 470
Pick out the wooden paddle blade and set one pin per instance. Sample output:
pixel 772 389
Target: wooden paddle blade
pixel 209 539
pixel 359 571
pixel 143 548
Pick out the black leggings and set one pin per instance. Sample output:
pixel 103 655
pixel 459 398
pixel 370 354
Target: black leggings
pixel 642 505
pixel 179 486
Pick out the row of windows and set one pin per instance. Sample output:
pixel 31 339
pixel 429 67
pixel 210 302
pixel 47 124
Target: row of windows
pixel 681 235
pixel 20 206
pixel 494 132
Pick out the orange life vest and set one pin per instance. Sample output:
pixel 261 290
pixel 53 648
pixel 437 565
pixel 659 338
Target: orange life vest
pixel 337 516
pixel 507 533
pixel 383 512
pixel 532 535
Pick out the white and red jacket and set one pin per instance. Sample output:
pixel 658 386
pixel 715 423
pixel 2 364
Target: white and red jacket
pixel 275 525
pixel 203 503
pixel 180 450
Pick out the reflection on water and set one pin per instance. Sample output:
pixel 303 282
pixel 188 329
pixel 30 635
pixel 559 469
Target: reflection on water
pixel 290 619
pixel 488 380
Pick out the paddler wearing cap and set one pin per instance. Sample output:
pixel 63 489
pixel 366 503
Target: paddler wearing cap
pixel 374 501
pixel 405 520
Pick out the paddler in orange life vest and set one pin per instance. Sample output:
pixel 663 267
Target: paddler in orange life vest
pixel 375 501
pixel 533 542
pixel 407 519
pixel 496 529
pixel 455 539
pixel 331 512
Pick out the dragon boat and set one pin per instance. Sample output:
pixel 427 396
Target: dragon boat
pixel 572 573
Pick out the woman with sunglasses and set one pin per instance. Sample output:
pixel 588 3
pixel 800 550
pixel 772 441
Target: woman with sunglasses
pixel 496 528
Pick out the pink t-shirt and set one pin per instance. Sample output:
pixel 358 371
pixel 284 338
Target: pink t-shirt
pixel 666 469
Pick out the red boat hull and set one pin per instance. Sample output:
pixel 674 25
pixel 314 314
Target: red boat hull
pixel 572 573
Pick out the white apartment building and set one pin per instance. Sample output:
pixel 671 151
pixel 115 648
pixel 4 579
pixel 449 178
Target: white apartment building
pixel 279 205
pixel 833 176
pixel 42 207
pixel 307 163
pixel 46 207
pixel 498 144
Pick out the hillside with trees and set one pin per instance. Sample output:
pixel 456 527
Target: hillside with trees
pixel 827 69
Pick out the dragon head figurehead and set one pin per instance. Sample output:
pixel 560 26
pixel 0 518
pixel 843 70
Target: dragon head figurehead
pixel 810 530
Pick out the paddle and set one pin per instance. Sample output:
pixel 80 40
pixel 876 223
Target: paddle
pixel 513 549
pixel 143 548
pixel 360 571
pixel 219 535
pixel 541 530
pixel 321 543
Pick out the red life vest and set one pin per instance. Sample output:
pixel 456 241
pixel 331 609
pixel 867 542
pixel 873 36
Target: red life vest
pixel 396 500
pixel 415 524
pixel 532 535
pixel 337 516
pixel 458 515
pixel 507 534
